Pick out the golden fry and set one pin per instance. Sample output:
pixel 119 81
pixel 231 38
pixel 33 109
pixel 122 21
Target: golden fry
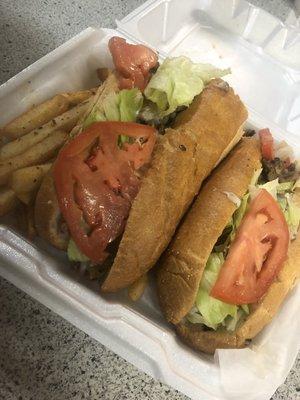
pixel 28 179
pixel 35 117
pixel 43 113
pixel 8 201
pixel 136 289
pixel 65 122
pixel 37 154
pixel 25 197
pixel 75 98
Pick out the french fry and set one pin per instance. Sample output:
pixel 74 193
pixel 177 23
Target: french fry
pixel 25 197
pixel 8 200
pixel 43 113
pixel 75 98
pixel 39 153
pixel 28 179
pixel 136 289
pixel 35 117
pixel 65 122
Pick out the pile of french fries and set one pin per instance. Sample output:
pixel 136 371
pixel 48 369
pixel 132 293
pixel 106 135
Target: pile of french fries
pixel 29 145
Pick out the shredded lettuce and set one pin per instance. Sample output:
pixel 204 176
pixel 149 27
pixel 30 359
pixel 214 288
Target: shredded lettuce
pixel 292 215
pixel 285 187
pixel 231 228
pixel 240 212
pixel 270 187
pixel 212 310
pixel 177 81
pixel 208 310
pixel 122 106
pixel 74 254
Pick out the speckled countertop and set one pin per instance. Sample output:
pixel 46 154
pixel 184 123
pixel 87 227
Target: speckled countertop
pixel 41 355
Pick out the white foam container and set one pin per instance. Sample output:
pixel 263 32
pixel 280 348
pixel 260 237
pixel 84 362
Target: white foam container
pixel 264 55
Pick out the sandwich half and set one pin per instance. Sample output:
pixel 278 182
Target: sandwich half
pixel 237 254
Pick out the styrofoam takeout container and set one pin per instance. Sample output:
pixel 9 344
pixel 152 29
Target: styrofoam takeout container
pixel 264 55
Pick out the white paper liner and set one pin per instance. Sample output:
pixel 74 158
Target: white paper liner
pixel 261 368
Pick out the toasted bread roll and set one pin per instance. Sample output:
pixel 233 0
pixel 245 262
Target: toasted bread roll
pixel 183 158
pixel 261 314
pixel 183 265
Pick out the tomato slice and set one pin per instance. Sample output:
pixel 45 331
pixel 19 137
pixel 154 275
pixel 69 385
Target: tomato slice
pixel 256 255
pixel 132 62
pixel 267 144
pixel 97 180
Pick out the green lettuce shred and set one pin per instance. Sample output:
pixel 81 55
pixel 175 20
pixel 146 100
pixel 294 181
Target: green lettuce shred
pixel 74 254
pixel 122 106
pixel 231 228
pixel 210 311
pixel 177 81
pixel 291 213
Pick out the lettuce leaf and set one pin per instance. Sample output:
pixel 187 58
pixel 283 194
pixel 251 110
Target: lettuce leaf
pixel 210 311
pixel 270 187
pixel 177 81
pixel 285 187
pixel 230 229
pixel 213 311
pixel 292 215
pixel 74 254
pixel 240 212
pixel 122 106
pixel 131 101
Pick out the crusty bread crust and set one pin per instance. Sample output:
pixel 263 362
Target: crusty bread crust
pixel 183 158
pixel 207 341
pixel 182 266
pixel 261 314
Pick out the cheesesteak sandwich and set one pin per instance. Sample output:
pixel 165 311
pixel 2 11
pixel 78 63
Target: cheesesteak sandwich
pixel 237 254
pixel 134 163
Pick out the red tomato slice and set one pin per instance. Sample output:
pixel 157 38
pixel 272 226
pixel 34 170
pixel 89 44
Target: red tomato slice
pixel 132 62
pixel 256 255
pixel 96 182
pixel 267 144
